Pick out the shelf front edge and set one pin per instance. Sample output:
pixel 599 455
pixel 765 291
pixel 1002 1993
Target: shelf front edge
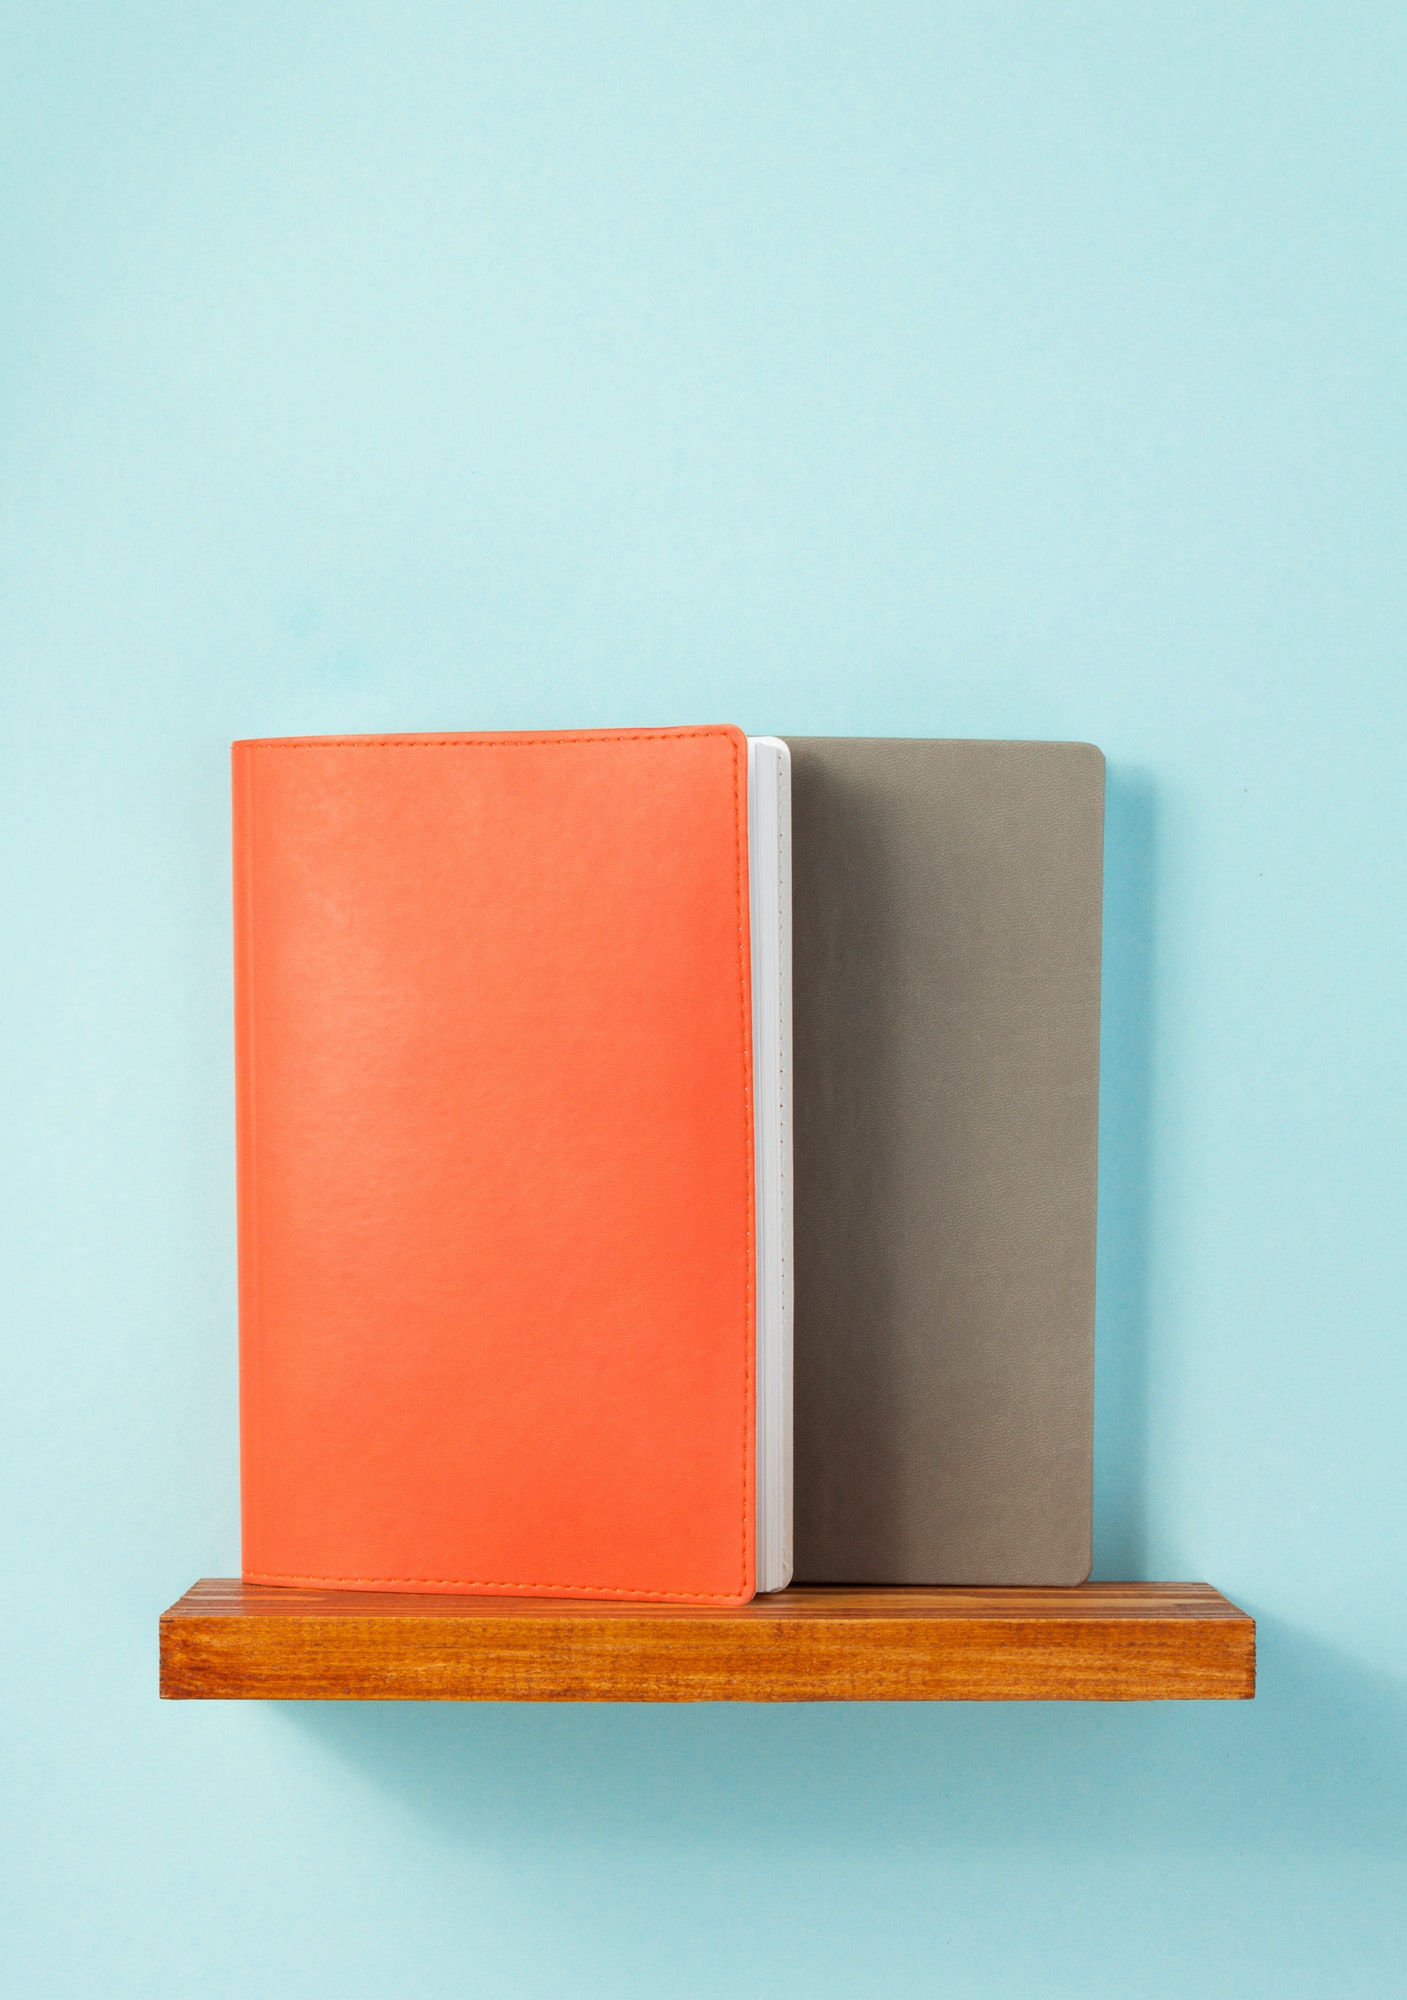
pixel 1095 1642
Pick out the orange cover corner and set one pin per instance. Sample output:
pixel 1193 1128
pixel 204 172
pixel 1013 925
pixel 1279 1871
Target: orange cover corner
pixel 496 1264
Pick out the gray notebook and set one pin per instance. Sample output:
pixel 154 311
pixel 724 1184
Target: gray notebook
pixel 946 935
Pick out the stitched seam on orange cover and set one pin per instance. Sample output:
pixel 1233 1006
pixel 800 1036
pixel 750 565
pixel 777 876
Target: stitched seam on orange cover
pixel 247 1271
pixel 565 739
pixel 749 1129
pixel 500 1583
pixel 556 741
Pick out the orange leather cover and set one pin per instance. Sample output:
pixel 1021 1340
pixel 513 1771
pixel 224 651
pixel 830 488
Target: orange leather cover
pixel 495 1163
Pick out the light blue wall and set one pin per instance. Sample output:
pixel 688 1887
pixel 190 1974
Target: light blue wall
pixel 981 370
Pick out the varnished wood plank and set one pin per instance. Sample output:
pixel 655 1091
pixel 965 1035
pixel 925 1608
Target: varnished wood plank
pixel 226 1640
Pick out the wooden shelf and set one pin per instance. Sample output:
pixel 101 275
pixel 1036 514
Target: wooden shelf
pixel 232 1641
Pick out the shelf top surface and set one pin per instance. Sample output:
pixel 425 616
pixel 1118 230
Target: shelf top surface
pixel 228 1597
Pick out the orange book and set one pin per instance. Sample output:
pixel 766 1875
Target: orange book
pixel 496 1134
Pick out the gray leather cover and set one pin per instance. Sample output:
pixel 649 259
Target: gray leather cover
pixel 946 935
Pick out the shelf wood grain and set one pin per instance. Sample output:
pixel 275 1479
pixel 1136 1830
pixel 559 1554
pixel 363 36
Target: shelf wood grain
pixel 232 1641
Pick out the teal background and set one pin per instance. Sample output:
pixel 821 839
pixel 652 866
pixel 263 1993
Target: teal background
pixel 991 371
